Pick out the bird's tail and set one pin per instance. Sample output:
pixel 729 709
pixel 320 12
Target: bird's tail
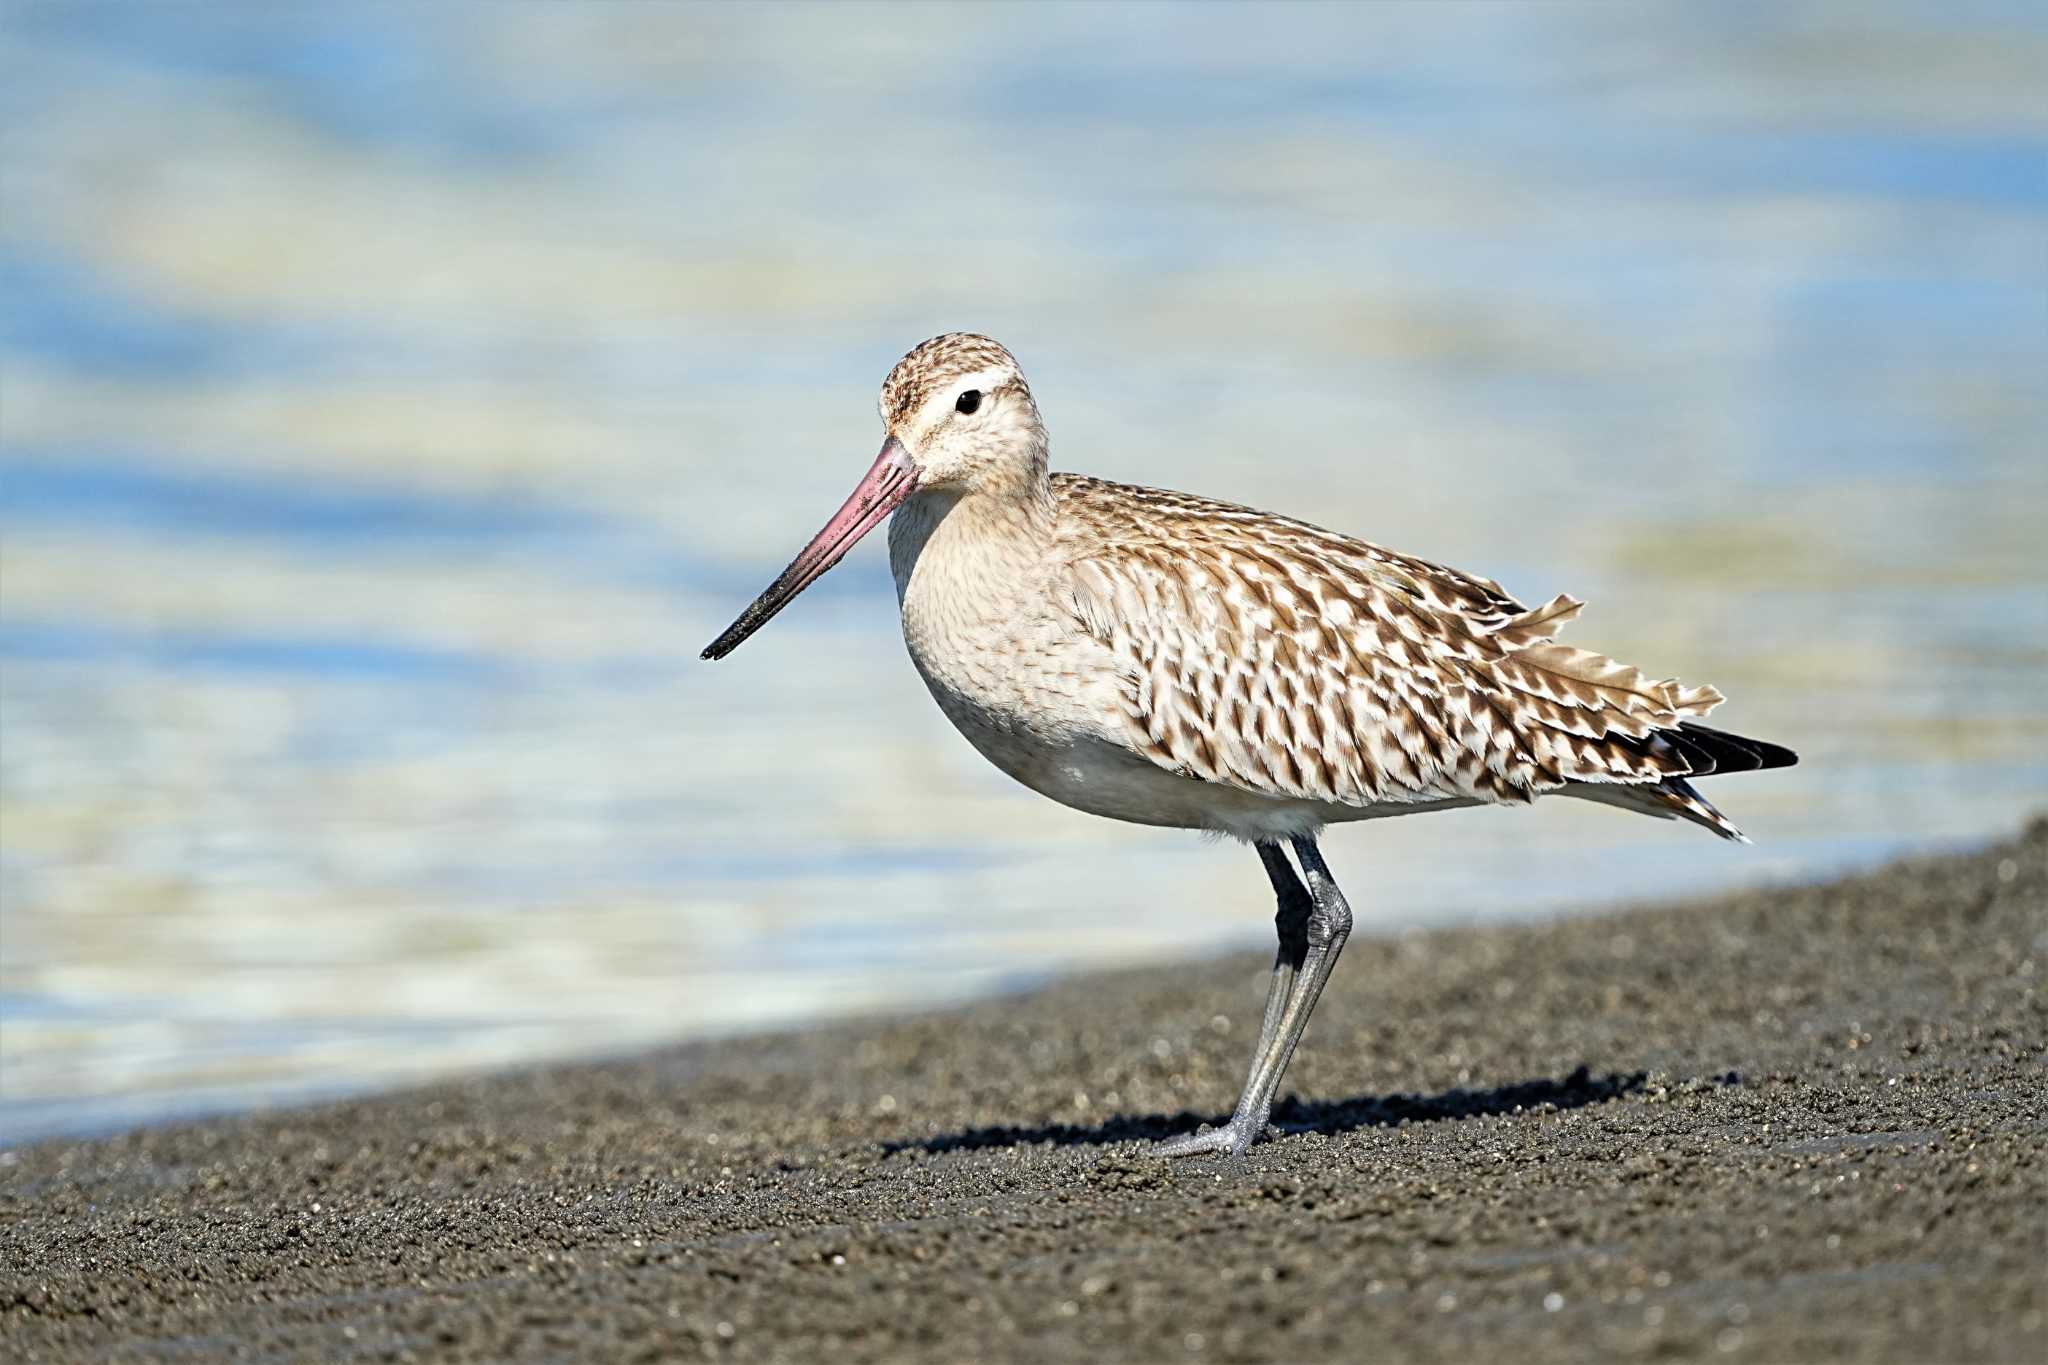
pixel 1683 800
pixel 1707 751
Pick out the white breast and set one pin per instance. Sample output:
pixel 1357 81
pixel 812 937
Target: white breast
pixel 994 636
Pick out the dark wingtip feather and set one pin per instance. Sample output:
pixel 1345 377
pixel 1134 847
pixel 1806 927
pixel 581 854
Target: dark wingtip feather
pixel 1737 753
pixel 1687 804
pixel 1700 759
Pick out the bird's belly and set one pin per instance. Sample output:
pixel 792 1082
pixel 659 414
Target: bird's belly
pixel 1105 779
pixel 1102 778
pixel 1047 719
pixel 1061 742
pixel 1042 702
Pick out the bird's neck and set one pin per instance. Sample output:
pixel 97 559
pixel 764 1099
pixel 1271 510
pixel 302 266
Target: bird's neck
pixel 973 542
pixel 1018 488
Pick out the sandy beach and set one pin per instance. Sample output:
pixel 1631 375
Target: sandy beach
pixel 1803 1125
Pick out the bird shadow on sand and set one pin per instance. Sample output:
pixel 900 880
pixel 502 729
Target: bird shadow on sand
pixel 1293 1115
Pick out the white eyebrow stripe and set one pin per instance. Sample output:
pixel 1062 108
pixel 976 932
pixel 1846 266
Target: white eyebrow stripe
pixel 980 379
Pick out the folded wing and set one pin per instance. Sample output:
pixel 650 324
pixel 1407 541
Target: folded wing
pixel 1273 656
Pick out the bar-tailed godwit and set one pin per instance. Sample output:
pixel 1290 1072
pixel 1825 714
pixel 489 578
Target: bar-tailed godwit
pixel 1172 660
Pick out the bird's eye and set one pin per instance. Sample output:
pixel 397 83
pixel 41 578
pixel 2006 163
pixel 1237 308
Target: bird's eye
pixel 968 401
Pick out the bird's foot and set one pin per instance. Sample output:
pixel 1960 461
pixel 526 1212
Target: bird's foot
pixel 1233 1139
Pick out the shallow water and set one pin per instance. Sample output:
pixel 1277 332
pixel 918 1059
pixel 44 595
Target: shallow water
pixel 396 399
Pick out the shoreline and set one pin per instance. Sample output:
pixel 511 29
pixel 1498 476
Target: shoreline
pixel 1804 1123
pixel 79 1115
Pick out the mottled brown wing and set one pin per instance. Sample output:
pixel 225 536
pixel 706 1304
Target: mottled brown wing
pixel 1282 659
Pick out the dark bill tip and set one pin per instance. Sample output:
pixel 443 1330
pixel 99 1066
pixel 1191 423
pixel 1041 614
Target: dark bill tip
pixel 891 479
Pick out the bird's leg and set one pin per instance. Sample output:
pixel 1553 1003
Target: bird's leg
pixel 1311 937
pixel 1291 922
pixel 1329 926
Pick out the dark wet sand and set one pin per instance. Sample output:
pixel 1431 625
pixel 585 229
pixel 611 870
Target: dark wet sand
pixel 1796 1126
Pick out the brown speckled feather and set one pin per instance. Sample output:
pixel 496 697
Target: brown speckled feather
pixel 932 364
pixel 1282 659
pixel 1190 664
pixel 1173 660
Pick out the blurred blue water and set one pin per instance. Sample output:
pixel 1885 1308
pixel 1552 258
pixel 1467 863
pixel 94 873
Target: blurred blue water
pixel 365 72
pixel 394 399
pixel 134 491
pixel 32 641
pixel 64 312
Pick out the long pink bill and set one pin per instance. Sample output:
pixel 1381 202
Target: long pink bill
pixel 890 480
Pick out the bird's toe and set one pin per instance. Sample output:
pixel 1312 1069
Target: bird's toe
pixel 1233 1139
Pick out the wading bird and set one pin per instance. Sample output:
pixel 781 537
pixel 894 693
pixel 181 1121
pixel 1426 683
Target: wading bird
pixel 1171 660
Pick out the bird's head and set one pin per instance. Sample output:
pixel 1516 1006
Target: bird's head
pixel 958 417
pixel 959 406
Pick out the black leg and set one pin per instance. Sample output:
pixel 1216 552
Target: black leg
pixel 1313 924
pixel 1291 922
